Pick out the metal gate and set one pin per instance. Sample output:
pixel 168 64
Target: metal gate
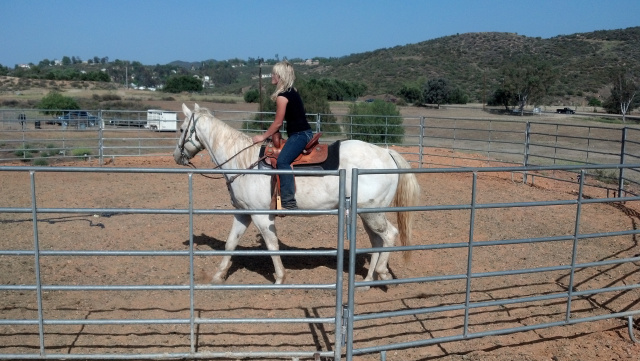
pixel 348 314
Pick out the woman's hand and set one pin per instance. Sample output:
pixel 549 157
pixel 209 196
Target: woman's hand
pixel 257 139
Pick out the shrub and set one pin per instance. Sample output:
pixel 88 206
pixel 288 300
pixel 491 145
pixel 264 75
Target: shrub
pixel 252 96
pixel 25 151
pixel 180 83
pixel 81 152
pixel 594 102
pixel 40 162
pixel 55 100
pixel 51 151
pixel 376 122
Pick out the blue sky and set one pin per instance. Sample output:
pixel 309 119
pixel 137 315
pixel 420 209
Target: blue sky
pixel 161 31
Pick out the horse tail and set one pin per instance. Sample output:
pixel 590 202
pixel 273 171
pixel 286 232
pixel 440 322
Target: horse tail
pixel 407 195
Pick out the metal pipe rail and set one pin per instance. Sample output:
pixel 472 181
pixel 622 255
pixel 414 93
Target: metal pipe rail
pixel 471 244
pixel 193 321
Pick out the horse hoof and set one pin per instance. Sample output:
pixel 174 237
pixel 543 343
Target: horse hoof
pixel 363 288
pixel 217 279
pixel 280 281
pixel 385 276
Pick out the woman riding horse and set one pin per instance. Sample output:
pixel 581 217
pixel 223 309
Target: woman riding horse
pixel 289 107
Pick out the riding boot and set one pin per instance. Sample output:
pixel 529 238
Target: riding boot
pixel 287 192
pixel 292 148
pixel 290 204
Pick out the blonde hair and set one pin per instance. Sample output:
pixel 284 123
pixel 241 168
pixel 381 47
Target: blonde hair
pixel 284 70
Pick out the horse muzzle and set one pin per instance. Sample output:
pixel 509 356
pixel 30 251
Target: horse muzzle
pixel 180 157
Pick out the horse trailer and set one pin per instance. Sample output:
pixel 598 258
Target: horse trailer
pixel 162 120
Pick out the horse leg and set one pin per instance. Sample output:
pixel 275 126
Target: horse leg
pixel 240 224
pixel 382 234
pixel 266 226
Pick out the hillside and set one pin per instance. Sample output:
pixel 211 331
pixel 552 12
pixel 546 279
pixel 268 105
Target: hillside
pixel 471 61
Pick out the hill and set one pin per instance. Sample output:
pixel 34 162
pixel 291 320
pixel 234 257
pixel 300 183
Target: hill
pixel 470 61
pixel 473 61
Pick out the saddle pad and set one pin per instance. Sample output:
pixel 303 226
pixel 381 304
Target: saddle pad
pixel 332 162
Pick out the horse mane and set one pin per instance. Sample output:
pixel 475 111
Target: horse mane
pixel 230 139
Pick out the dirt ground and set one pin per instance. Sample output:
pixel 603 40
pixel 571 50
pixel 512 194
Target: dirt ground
pixel 592 341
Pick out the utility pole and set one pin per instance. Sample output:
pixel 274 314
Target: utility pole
pixel 260 60
pixel 484 88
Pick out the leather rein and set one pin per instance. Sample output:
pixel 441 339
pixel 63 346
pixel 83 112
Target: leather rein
pixel 192 132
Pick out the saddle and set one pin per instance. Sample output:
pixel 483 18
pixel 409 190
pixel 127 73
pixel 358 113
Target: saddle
pixel 313 152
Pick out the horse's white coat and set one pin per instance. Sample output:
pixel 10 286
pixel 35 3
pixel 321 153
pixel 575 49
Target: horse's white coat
pixel 204 131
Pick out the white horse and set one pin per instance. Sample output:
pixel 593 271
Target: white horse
pixel 201 130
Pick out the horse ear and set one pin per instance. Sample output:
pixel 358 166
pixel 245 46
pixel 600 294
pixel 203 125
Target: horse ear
pixel 186 110
pixel 196 107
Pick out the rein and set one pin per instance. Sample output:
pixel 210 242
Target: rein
pixel 192 132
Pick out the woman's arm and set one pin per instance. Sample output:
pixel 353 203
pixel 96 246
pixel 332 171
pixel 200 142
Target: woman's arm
pixel 281 107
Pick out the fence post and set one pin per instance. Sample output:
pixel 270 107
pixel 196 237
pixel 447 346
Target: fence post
pixel 100 139
pixel 623 146
pixel 527 138
pixel 421 140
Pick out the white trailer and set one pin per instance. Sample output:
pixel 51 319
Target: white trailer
pixel 162 120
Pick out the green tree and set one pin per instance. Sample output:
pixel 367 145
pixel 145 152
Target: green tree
pixel 315 101
pixel 339 90
pixel 501 97
pixel 436 91
pixel 457 96
pixel 528 79
pixel 252 96
pixel 411 94
pixel 594 102
pixel 44 63
pixel 180 83
pixel 376 122
pixel 57 102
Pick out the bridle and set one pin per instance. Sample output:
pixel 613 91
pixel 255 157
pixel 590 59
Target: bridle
pixel 191 132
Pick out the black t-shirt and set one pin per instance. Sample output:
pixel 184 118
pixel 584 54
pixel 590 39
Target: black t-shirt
pixel 295 115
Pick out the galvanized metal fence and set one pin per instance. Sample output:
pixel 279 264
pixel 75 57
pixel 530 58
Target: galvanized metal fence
pixel 36 288
pixel 540 149
pixel 27 135
pixel 606 299
pixel 569 295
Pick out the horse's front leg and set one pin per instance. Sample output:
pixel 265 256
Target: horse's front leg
pixel 267 228
pixel 240 224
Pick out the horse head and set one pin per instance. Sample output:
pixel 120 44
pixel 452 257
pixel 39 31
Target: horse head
pixel 188 143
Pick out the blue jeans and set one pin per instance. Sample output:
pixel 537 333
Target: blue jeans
pixel 292 149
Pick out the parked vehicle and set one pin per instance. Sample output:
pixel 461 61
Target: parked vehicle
pixel 162 120
pixel 78 118
pixel 127 123
pixel 565 110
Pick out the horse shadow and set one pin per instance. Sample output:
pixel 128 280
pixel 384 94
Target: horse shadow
pixel 264 266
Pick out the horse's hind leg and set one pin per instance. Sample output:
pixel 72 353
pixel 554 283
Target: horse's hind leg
pixel 267 228
pixel 382 234
pixel 240 224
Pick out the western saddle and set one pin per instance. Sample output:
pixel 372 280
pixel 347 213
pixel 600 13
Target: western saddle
pixel 313 153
